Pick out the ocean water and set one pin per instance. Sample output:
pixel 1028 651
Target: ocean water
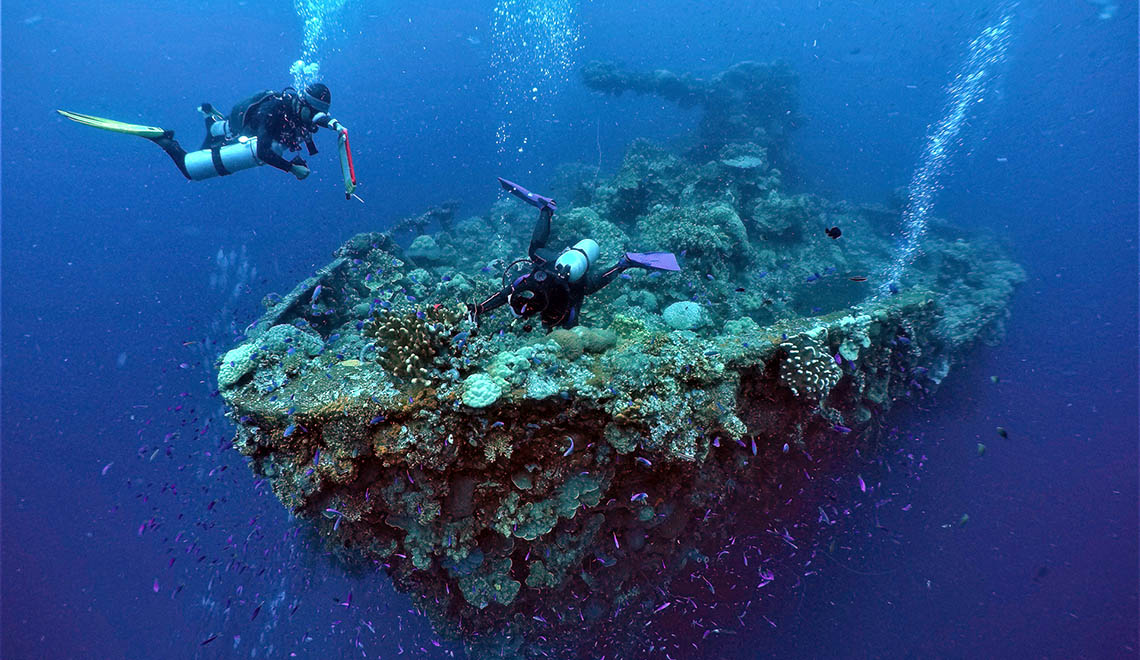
pixel 131 530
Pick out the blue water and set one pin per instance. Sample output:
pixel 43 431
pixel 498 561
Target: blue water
pixel 113 264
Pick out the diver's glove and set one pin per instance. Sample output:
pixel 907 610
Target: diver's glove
pixel 299 168
pixel 473 313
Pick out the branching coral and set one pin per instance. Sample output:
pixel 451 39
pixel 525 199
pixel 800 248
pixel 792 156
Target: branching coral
pixel 409 342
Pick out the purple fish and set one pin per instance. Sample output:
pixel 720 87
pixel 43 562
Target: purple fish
pixel 862 484
pixel 841 428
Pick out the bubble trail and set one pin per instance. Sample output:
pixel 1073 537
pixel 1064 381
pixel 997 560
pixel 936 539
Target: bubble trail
pixel 535 43
pixel 318 18
pixel 986 55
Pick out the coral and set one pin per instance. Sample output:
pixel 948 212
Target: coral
pixel 595 340
pixel 704 230
pixel 409 342
pixel 569 343
pixel 684 315
pixel 807 369
pixel 236 363
pixel 481 390
pixel 424 249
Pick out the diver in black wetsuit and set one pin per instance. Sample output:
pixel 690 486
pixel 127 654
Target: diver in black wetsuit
pixel 558 283
pixel 280 121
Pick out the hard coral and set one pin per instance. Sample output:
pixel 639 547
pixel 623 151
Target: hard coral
pixel 807 368
pixel 409 342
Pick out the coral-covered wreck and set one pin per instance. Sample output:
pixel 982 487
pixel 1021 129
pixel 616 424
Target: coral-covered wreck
pixel 539 494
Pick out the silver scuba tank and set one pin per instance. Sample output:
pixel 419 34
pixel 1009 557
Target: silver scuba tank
pixel 220 161
pixel 576 260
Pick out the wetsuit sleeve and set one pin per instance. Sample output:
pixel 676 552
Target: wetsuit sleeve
pixel 598 282
pixel 541 233
pixel 494 302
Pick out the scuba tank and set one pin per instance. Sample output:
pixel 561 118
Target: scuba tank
pixel 575 261
pixel 220 161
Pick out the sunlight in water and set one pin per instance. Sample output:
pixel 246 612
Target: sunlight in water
pixel 319 18
pixel 975 76
pixel 535 43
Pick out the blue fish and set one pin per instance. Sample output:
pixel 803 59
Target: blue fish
pixel 316 294
pixel 289 430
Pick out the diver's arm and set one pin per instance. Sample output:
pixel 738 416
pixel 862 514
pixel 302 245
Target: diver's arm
pixel 324 120
pixel 495 301
pixel 267 155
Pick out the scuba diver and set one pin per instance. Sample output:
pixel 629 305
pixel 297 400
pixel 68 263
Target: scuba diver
pixel 558 283
pixel 258 131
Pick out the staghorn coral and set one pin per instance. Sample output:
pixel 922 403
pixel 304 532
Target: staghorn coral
pixel 807 369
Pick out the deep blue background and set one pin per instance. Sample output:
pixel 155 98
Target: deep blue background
pixel 108 252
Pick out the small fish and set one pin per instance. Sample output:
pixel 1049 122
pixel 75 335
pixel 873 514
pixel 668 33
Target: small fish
pixel 981 450
pixel 639 497
pixel 256 611
pixel 1002 432
pixel 833 232
pixel 661 607
pixel 862 484
pixel 375 420
pixel 995 379
pixel 289 430
pixel 570 449
pixel 107 468
pixel 155 587
pixel 740 289
pixel 209 639
pixel 858 278
pixel 963 520
pixel 811 278
pixel 905 341
pixel 644 461
pixel 786 447
pixel 316 294
pixel 841 428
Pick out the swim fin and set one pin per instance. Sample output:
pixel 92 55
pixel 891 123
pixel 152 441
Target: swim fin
pixel 653 260
pixel 149 132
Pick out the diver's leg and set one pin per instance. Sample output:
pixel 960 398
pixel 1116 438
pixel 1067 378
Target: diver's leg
pixel 216 126
pixel 541 230
pixel 596 283
pixel 173 149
